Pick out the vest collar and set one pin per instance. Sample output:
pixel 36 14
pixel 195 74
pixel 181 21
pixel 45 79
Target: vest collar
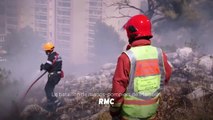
pixel 136 43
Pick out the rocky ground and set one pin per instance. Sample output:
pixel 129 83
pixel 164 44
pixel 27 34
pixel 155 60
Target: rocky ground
pixel 189 96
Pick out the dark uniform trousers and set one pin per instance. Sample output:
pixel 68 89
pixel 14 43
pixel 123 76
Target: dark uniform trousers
pixel 53 79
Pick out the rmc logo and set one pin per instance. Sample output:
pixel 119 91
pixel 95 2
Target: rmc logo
pixel 104 101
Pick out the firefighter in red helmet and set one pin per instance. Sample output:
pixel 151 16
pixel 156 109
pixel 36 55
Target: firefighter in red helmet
pixel 138 27
pixel 141 73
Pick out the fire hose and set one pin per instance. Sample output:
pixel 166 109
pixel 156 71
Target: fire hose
pixel 33 84
pixel 37 80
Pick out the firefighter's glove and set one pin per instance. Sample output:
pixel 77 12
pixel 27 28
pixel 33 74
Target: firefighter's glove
pixel 41 67
pixel 115 112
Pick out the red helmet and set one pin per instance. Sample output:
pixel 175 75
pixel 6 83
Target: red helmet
pixel 138 26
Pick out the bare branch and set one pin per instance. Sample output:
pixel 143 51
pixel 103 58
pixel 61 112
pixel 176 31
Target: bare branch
pixel 152 6
pixel 122 5
pixel 152 11
pixel 131 6
pixel 118 17
pixel 157 20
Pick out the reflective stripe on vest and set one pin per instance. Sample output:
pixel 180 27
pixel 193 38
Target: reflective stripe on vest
pixel 146 64
pixel 56 59
pixel 145 81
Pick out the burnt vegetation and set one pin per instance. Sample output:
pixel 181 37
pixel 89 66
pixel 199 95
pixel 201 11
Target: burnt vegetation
pixel 188 96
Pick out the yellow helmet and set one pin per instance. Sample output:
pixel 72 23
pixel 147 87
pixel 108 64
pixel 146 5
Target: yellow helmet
pixel 48 46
